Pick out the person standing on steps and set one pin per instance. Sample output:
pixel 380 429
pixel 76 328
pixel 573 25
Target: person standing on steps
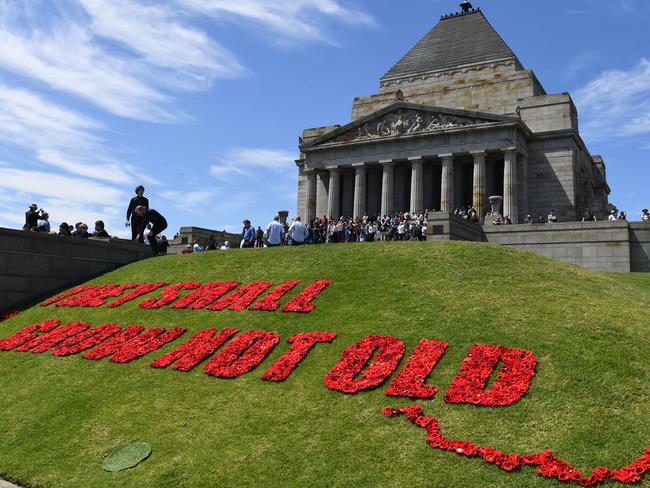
pixel 132 218
pixel 158 222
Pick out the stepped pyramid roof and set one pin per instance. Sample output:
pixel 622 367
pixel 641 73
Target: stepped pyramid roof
pixel 457 40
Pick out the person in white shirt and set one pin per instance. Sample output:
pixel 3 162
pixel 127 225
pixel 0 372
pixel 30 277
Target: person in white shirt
pixel 401 231
pixel 274 232
pixel 372 230
pixel 225 247
pixel 198 247
pixel 646 216
pixel 612 216
pixel 298 232
pixel 552 218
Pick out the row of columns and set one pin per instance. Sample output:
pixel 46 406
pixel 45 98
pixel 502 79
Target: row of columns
pixel 479 196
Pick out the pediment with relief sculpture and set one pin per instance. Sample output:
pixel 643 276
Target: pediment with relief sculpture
pixel 407 119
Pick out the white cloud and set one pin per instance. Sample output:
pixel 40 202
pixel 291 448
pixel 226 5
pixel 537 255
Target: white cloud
pixel 616 103
pixel 122 56
pixel 240 162
pixel 293 19
pixel 111 171
pixel 197 201
pixel 57 136
pixel 157 35
pixel 68 61
pixel 28 119
pixel 131 58
pixel 64 188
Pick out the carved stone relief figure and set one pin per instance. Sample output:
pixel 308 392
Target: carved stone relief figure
pixel 407 122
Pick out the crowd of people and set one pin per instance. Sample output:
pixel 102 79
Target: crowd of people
pixel 400 226
pixel 37 220
pixel 146 224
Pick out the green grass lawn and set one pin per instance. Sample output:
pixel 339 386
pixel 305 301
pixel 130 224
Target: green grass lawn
pixel 589 402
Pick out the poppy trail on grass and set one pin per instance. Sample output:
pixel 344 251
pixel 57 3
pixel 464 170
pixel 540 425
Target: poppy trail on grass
pixel 548 464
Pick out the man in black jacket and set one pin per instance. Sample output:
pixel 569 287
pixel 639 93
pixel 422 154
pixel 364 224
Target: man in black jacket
pixel 100 231
pixel 159 223
pixel 132 217
pixel 31 218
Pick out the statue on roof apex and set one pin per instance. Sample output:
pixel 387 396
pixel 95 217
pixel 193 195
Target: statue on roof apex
pixel 466 6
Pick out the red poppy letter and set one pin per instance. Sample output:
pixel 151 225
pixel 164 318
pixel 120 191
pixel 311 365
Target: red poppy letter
pixel 170 294
pixel 513 379
pixel 302 301
pixel 301 344
pixel 205 295
pixel 140 290
pixel 242 354
pixel 96 296
pixel 389 353
pixel 27 334
pixel 54 337
pixel 75 290
pixel 270 302
pixel 87 339
pixel 132 343
pixel 409 382
pixel 240 299
pixel 195 350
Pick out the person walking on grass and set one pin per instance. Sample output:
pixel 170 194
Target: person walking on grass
pixel 298 232
pixel 247 234
pixel 274 232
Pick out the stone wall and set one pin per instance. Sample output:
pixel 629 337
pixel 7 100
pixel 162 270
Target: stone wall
pixel 546 113
pixel 551 178
pixel 34 264
pixel 190 235
pixel 600 246
pixel 493 87
pixel 640 246
pixel 443 226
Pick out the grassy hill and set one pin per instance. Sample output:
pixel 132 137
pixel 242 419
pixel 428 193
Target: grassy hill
pixel 589 401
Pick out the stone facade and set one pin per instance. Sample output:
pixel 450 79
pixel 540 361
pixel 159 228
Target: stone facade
pixel 451 126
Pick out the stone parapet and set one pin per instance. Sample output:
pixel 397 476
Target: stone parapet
pixel 599 246
pixel 33 264
pixel 445 226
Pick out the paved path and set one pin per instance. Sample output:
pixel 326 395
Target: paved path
pixel 6 484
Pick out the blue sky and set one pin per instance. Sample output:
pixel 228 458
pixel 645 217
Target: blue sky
pixel 202 101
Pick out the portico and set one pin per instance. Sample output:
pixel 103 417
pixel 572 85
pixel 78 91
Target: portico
pixel 462 163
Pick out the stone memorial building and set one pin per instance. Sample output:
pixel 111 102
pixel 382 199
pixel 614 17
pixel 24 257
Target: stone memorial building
pixel 458 119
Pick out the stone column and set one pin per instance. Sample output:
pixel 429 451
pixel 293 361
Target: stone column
pixel 417 185
pixel 478 192
pixel 333 197
pixel 523 185
pixel 310 205
pixel 510 202
pixel 447 183
pixel 359 206
pixel 387 197
pixel 322 182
